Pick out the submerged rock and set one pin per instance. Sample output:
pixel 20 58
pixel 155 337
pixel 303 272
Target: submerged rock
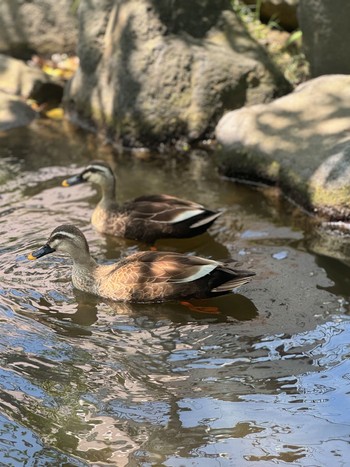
pixel 300 142
pixel 153 71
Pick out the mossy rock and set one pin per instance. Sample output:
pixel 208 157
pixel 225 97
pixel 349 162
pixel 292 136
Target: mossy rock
pixel 300 142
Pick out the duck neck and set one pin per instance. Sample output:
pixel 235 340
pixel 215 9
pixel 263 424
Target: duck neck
pixel 108 193
pixel 83 271
pixel 82 259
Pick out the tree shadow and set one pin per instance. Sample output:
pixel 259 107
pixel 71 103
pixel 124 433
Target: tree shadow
pixel 19 51
pixel 302 137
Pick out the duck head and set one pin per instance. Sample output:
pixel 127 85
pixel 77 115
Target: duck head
pixel 65 239
pixel 99 173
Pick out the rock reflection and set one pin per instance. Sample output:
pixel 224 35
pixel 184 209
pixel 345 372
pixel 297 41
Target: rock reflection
pixel 329 243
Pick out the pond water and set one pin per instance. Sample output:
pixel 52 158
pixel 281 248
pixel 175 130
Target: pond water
pixel 264 381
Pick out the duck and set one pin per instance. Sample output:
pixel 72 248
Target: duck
pixel 145 276
pixel 146 218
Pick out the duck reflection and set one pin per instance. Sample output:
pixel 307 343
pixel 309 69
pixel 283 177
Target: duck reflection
pixel 221 309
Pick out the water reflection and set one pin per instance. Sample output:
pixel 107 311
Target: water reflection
pixel 84 381
pixel 333 244
pixel 203 245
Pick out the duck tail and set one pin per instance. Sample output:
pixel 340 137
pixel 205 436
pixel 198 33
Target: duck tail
pixel 229 279
pixel 208 219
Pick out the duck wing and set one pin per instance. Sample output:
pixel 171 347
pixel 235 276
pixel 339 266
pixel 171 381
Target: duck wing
pixel 166 199
pixel 156 267
pixel 164 209
pixel 154 276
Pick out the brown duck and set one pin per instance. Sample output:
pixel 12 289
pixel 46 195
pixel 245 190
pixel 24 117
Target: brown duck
pixel 146 218
pixel 148 276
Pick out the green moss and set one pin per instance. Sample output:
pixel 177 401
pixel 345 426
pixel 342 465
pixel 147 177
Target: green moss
pixel 335 197
pixel 273 170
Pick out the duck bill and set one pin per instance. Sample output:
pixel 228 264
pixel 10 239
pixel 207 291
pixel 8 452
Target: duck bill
pixel 44 250
pixel 75 180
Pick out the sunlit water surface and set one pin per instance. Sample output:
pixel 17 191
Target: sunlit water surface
pixel 264 381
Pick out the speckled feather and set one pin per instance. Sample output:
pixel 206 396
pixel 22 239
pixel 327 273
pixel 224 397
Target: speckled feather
pixel 158 276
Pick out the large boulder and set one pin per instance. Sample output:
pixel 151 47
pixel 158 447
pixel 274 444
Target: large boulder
pixel 37 26
pixel 14 112
pixel 154 71
pixel 326 35
pixel 301 142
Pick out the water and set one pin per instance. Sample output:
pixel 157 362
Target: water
pixel 265 381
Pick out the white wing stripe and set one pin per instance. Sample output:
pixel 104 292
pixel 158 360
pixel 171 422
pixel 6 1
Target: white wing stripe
pixel 182 216
pixel 201 272
pixel 205 221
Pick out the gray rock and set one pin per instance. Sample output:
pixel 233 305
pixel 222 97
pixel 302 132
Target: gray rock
pixel 37 26
pixel 153 72
pixel 14 112
pixel 300 142
pixel 326 35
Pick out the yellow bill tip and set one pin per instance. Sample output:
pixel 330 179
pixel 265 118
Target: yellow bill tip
pixel 65 183
pixel 31 257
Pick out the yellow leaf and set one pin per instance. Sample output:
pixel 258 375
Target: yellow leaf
pixel 52 71
pixel 56 113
